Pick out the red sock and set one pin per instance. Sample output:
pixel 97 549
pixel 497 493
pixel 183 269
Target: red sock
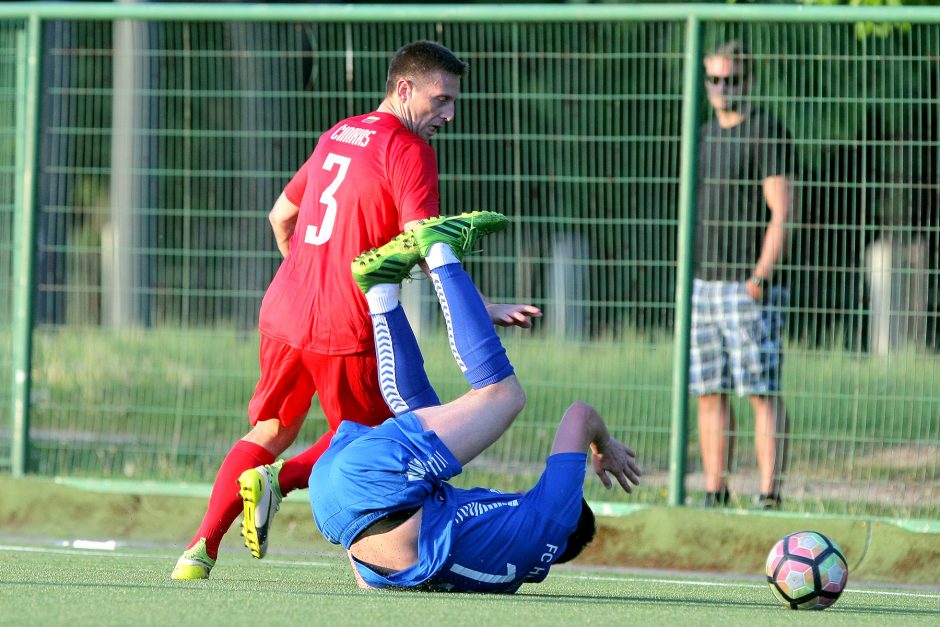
pixel 295 474
pixel 225 504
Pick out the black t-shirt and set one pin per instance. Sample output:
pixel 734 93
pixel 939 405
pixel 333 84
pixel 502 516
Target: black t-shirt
pixel 732 212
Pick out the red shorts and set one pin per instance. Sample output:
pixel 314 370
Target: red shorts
pixel 347 385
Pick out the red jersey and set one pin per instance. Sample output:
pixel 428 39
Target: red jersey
pixel 367 177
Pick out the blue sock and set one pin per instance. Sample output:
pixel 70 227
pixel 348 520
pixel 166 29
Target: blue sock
pixel 473 341
pixel 402 378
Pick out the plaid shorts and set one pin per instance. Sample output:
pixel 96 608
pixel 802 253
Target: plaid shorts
pixel 735 339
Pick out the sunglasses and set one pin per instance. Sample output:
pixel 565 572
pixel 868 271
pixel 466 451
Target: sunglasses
pixel 729 81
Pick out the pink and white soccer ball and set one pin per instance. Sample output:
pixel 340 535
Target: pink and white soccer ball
pixel 806 571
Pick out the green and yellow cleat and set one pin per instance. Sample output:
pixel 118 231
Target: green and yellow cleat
pixel 195 563
pixel 389 263
pixel 459 232
pixel 261 498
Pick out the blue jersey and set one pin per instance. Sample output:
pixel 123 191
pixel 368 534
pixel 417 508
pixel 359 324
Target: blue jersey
pixel 481 540
pixel 475 540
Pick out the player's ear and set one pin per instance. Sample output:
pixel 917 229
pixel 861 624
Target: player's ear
pixel 403 89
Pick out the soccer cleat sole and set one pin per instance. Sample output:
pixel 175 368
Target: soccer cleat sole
pixel 250 488
pixel 390 263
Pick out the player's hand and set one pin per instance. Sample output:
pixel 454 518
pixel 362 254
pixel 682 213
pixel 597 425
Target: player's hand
pixel 616 460
pixel 754 291
pixel 506 315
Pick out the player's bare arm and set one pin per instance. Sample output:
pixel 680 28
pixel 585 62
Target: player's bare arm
pixel 777 193
pixel 581 429
pixel 283 218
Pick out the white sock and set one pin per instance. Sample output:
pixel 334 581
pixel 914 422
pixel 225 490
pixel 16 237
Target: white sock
pixel 440 254
pixel 382 298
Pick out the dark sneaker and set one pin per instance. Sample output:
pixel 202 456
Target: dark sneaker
pixel 768 501
pixel 459 232
pixel 389 263
pixel 717 499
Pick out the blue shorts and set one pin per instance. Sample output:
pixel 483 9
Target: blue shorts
pixel 735 341
pixel 367 474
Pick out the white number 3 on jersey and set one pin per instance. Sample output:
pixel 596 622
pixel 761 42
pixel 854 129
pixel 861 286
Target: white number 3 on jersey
pixel 318 236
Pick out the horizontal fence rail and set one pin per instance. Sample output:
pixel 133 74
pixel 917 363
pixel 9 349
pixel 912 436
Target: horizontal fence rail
pixel 469 13
pixel 142 145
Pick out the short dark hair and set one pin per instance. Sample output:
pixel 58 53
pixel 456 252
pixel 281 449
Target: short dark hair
pixel 581 536
pixel 736 51
pixel 421 58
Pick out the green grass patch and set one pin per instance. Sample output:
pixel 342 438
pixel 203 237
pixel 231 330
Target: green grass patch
pixel 43 586
pixel 682 539
pixel 167 403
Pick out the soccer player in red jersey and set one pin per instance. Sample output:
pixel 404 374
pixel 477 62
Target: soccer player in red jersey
pixel 370 177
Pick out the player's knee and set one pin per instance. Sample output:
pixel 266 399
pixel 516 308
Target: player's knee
pixel 274 435
pixel 581 406
pixel 512 396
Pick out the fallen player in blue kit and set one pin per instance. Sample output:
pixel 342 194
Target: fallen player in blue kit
pixel 383 494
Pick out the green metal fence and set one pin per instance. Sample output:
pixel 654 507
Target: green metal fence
pixel 8 109
pixel 165 133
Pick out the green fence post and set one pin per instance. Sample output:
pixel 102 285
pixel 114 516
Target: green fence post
pixel 29 46
pixel 688 184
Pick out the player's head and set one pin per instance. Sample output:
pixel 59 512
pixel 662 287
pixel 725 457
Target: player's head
pixel 423 84
pixel 727 72
pixel 420 61
pixel 581 536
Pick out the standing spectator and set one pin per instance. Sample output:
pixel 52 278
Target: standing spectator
pixel 369 177
pixel 743 207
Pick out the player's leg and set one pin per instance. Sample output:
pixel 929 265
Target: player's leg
pixel 379 273
pixel 285 390
pixel 224 501
pixel 769 430
pixel 713 424
pixel 473 422
pixel 497 397
pixel 758 360
pixel 259 495
pixel 707 374
pixel 401 378
pixel 277 411
pixel 224 505
pixel 347 385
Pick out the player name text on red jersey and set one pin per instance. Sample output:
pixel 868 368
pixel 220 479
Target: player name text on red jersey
pixel 352 135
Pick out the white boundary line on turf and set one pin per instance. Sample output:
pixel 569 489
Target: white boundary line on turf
pixel 722 584
pixel 96 553
pixel 87 552
pixel 687 582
